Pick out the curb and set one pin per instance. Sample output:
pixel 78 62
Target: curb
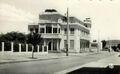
pixel 26 61
pixel 29 60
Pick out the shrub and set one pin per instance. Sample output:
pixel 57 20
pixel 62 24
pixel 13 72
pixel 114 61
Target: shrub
pixel 29 47
pixel 114 48
pixel 16 47
pixel 7 46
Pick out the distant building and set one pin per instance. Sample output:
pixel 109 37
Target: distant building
pixel 53 28
pixel 111 43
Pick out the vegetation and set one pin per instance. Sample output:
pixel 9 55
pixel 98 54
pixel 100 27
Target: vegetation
pixel 17 37
pixel 103 44
pixel 13 37
pixel 34 39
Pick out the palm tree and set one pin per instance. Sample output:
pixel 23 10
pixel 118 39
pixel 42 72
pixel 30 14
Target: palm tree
pixel 34 39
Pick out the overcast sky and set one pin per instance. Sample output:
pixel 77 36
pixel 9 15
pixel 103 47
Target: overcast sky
pixel 15 15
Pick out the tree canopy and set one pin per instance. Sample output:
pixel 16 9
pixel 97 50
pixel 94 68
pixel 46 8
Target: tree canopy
pixel 13 36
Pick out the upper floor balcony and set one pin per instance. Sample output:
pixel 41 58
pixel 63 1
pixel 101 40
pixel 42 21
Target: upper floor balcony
pixel 49 35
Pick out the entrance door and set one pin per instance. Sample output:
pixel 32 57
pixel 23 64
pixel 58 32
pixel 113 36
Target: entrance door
pixel 49 46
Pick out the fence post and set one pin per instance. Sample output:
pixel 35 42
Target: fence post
pixel 38 48
pixel 19 47
pixel 12 47
pixel 26 47
pixel 2 46
pixel 42 48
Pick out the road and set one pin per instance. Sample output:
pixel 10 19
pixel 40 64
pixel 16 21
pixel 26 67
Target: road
pixel 49 66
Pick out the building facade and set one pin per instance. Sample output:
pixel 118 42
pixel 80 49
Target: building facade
pixel 53 29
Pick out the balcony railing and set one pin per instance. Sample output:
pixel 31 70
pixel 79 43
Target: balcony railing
pixel 49 35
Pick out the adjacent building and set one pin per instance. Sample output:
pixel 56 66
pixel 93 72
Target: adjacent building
pixel 53 29
pixel 111 43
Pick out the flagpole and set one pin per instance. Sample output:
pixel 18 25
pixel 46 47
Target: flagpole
pixel 67 50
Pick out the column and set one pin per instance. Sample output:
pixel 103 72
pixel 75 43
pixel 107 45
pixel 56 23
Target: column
pixel 57 45
pixel 90 46
pixel 80 45
pixel 45 29
pixel 47 48
pixel 52 29
pixel 38 47
pixel 19 47
pixel 11 46
pixel 26 47
pixel 2 46
pixel 57 29
pixel 51 44
pixel 38 29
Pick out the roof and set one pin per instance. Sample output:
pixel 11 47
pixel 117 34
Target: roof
pixel 53 16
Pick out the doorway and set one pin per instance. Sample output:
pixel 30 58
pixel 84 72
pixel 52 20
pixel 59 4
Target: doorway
pixel 49 46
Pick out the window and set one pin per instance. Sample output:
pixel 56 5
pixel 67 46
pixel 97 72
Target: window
pixel 65 31
pixel 48 29
pixel 31 29
pixel 71 44
pixel 41 30
pixel 59 30
pixel 72 31
pixel 54 30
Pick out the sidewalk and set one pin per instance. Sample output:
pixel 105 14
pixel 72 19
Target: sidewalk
pixel 9 57
pixel 102 63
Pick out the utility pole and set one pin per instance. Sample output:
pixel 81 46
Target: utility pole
pixel 98 41
pixel 67 45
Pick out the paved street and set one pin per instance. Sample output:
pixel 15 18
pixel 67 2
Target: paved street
pixel 50 66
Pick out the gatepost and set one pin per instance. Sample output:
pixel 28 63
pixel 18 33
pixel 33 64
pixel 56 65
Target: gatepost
pixel 2 46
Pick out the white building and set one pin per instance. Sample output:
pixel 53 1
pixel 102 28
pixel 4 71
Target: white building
pixel 53 28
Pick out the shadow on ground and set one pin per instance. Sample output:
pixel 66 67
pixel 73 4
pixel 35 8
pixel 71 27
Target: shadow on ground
pixel 97 70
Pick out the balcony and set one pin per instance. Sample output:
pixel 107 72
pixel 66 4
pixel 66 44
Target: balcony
pixel 85 37
pixel 52 36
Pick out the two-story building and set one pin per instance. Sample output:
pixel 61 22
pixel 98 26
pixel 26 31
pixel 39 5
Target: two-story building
pixel 53 29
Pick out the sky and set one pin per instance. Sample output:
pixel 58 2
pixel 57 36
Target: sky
pixel 15 15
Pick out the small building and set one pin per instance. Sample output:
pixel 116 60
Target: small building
pixel 53 28
pixel 111 43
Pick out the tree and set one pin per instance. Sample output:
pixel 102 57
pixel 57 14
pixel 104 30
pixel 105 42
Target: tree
pixel 103 43
pixel 34 39
pixel 13 37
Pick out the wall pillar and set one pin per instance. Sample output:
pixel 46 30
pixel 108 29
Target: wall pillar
pixel 26 47
pixel 19 47
pixel 12 47
pixel 2 46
